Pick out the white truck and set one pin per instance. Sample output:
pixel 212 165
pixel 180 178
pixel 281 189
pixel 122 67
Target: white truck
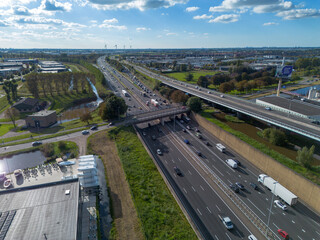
pixel 124 92
pixel 154 102
pixel 277 189
pixel 232 163
pixel 220 147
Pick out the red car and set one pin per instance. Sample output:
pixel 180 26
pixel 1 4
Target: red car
pixel 283 234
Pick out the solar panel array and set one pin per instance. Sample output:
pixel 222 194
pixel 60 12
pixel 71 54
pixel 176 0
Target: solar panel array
pixel 5 222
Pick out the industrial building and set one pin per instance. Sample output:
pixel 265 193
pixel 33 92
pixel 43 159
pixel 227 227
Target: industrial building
pixel 46 211
pixel 294 107
pixel 27 105
pixel 51 67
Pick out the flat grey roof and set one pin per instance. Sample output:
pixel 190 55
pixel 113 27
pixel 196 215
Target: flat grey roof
pixel 43 211
pixel 43 113
pixel 296 105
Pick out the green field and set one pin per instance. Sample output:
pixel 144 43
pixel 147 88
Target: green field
pixel 158 211
pixel 181 76
pixel 4 128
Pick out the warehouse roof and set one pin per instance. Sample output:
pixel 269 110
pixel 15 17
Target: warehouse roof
pixel 43 211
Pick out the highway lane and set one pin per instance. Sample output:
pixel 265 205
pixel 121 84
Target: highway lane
pixel 303 126
pixel 299 225
pixel 208 205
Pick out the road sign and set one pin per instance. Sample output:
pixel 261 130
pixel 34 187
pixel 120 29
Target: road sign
pixel 284 71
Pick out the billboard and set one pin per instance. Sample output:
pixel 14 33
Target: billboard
pixel 284 71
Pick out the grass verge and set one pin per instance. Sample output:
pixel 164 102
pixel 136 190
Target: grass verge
pixel 181 76
pixel 311 174
pixel 4 128
pixel 158 211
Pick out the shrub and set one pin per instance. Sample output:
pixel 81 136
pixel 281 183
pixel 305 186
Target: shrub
pixel 47 149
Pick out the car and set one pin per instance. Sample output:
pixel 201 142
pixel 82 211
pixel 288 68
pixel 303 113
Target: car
pixel 183 130
pixel 186 141
pixel 268 108
pixel 110 124
pixel 252 237
pixel 239 185
pixel 209 92
pixel 281 205
pixel 227 222
pixel 207 143
pixel 36 143
pixel 222 95
pixel 199 135
pixel 234 188
pixel 95 127
pixel 188 127
pixel 85 132
pixel 197 130
pixel 144 133
pixel 283 234
pixel 197 152
pixel 316 122
pixel 254 186
pixel 153 137
pixel 178 171
pixel 181 121
pixel 159 152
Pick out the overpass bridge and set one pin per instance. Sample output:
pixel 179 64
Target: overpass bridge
pixel 299 126
pixel 156 114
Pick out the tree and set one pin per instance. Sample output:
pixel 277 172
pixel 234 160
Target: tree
pixel 13 114
pixel 112 108
pixel 305 156
pixel 195 104
pixel 189 77
pixel 86 117
pixel 203 81
pixel 225 87
pixel 179 96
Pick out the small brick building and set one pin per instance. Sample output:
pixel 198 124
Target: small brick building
pixel 27 105
pixel 42 119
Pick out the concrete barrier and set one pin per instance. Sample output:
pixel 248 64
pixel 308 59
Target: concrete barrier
pixel 307 191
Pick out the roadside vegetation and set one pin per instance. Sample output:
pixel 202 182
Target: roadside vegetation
pixel 158 211
pixel 312 173
pixel 4 128
pixel 59 149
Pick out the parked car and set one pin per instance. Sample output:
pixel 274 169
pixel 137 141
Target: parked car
pixel 281 205
pixel 283 234
pixel 36 143
pixel 178 171
pixel 85 132
pixel 234 188
pixel 254 186
pixel 240 185
pixel 159 152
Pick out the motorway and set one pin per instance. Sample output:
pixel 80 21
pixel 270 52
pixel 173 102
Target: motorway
pixel 298 125
pixel 299 221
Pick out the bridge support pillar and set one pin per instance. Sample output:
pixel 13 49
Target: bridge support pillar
pixel 240 115
pixel 162 121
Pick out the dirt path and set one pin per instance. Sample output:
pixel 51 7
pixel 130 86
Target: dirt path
pixel 125 215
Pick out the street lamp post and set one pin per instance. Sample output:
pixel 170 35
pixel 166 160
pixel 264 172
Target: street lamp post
pixel 274 190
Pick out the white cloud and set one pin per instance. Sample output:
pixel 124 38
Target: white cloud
pixel 93 21
pixel 227 18
pixel 270 24
pixel 171 34
pixel 192 9
pixel 230 5
pixel 203 16
pixel 112 20
pixel 8 3
pixel 54 5
pixel 139 29
pixel 299 13
pixel 21 10
pixel 138 4
pixel 283 6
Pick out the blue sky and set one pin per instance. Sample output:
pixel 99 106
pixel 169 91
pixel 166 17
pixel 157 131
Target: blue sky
pixel 159 23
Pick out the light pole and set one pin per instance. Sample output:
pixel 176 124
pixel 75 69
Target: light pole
pixel 274 190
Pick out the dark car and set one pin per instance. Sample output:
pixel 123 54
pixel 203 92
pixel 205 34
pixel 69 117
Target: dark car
pixel 234 188
pixel 153 137
pixel 178 171
pixel 198 153
pixel 207 143
pixel 186 141
pixel 254 186
pixel 183 130
pixel 238 162
pixel 239 185
pixel 36 143
pixel 95 127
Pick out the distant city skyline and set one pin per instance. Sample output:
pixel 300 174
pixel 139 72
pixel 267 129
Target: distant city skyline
pixel 98 24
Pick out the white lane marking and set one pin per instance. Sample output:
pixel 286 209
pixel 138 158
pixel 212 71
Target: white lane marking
pixel 239 176
pixel 303 230
pixel 239 234
pixel 316 223
pixel 229 181
pixel 317 233
pixel 228 236
pixel 193 189
pixel 256 207
pixel 270 211
pixel 293 221
pixel 216 237
pixel 217 170
pixel 173 161
pixel 199 211
pixel 179 159
pixel 189 172
pixel 166 161
pixel 283 214
pixel 245 181
pixel 209 210
pixel 202 188
pixel 228 173
pixel 267 199
pixel 218 208
pixel 299 237
pixel 185 190
pixel 259 193
pixel 276 226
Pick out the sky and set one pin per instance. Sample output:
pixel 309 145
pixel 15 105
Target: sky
pixel 141 24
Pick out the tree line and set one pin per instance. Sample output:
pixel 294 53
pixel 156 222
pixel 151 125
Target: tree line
pixel 11 89
pixel 46 84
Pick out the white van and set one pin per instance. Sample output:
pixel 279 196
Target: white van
pixel 252 237
pixel 220 147
pixel 232 163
